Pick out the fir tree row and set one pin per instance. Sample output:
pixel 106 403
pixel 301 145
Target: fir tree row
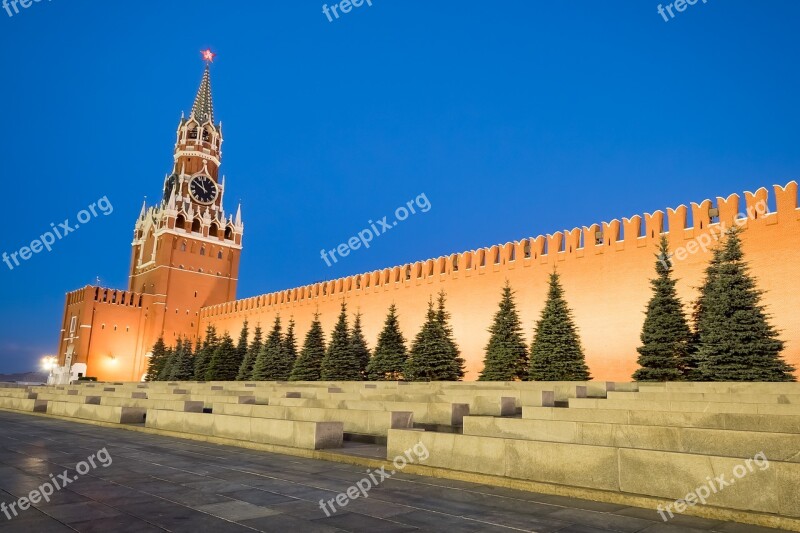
pixel 730 339
pixel 434 354
pixel 556 353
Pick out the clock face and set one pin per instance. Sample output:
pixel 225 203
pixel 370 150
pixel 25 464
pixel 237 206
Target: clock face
pixel 203 189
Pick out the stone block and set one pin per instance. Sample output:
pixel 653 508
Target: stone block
pixel 99 413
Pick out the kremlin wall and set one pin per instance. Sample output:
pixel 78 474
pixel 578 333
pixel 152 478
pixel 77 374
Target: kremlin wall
pixel 605 270
pixel 186 253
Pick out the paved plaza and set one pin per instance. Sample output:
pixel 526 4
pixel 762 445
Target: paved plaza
pixel 157 483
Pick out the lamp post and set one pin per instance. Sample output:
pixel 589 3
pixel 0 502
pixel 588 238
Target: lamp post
pixel 49 363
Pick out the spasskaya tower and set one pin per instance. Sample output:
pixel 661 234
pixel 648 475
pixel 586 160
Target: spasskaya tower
pixel 185 256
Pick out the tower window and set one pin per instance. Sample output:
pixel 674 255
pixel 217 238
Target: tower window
pixel 202 251
pixel 219 254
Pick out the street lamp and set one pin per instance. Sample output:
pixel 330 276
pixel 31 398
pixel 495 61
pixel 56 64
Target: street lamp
pixel 49 362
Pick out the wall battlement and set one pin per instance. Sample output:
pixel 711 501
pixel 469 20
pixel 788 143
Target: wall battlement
pixel 568 245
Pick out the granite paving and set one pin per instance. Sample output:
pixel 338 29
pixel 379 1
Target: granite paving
pixel 154 483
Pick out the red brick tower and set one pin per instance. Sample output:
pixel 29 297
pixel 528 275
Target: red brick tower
pixel 185 248
pixel 185 256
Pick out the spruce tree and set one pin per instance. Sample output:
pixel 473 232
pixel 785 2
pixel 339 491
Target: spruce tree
pixel 506 356
pixel 691 370
pixel 183 366
pixel 556 353
pixel 391 355
pixel 224 363
pixel 204 353
pixel 241 347
pixel 166 371
pixel 246 368
pixel 290 347
pixel 666 337
pixel 308 365
pixel 340 363
pixel 359 348
pixel 158 359
pixel 737 342
pixel 443 317
pixel 432 357
pixel 272 363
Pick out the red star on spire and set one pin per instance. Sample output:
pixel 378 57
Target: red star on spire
pixel 208 55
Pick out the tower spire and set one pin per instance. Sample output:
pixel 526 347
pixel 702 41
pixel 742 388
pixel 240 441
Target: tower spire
pixel 203 108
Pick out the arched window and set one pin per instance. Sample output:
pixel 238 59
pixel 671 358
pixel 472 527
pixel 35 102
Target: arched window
pixel 196 225
pixel 203 250
pixel 183 246
pixel 219 254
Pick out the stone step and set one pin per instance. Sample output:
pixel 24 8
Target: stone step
pixel 290 433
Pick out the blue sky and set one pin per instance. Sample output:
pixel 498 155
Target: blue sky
pixel 514 118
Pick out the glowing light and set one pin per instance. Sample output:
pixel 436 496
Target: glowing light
pixel 112 360
pixel 49 362
pixel 208 55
